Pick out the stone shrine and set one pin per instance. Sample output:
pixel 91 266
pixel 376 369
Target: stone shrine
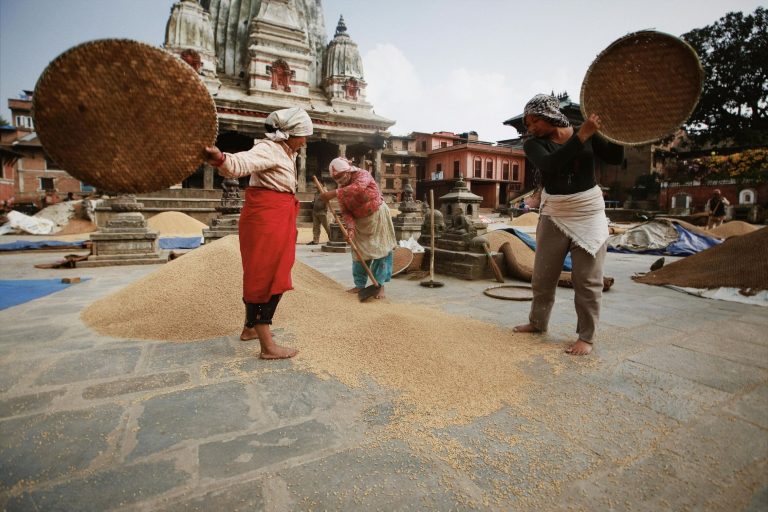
pixel 126 239
pixel 458 251
pixel 229 213
pixel 408 222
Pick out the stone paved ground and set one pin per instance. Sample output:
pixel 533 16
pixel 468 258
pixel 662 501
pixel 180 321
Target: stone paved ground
pixel 671 413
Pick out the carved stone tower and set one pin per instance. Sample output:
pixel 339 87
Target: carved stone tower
pixel 280 55
pixel 343 69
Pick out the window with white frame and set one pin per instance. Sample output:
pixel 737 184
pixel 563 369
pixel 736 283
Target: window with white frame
pixel 681 201
pixel 747 196
pixel 24 122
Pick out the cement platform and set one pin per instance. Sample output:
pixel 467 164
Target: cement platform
pixel 672 412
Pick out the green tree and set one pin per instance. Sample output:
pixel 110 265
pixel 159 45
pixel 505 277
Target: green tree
pixel 734 55
pixel 3 122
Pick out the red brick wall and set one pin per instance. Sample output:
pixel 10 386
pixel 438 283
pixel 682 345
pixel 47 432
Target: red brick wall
pixel 700 194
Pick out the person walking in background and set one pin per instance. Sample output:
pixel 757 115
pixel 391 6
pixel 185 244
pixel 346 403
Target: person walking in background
pixel 572 215
pixel 367 220
pixel 716 209
pixel 319 218
pixel 268 220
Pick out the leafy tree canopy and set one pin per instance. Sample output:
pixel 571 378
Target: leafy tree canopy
pixel 734 55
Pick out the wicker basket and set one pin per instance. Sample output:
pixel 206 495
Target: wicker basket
pixel 643 86
pixel 124 116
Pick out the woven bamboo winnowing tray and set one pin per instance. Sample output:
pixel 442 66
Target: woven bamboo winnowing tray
pixel 644 86
pixel 401 259
pixel 124 116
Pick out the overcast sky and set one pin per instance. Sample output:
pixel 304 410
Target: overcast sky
pixel 431 65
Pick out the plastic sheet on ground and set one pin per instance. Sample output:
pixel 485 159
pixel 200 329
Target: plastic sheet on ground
pixel 32 225
pixel 26 245
pixel 411 244
pixel 660 237
pixel 175 242
pixel 18 291
pixel 729 294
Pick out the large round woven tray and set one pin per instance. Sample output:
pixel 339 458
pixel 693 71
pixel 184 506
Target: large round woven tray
pixel 401 259
pixel 643 86
pixel 124 116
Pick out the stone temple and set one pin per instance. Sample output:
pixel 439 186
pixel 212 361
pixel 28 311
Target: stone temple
pixel 263 55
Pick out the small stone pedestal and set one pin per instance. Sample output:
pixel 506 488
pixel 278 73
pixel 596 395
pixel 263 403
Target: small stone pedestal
pixel 126 239
pixel 229 208
pixel 408 222
pixel 336 241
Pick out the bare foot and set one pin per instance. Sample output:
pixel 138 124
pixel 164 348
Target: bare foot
pixel 580 348
pixel 380 294
pixel 525 328
pixel 249 333
pixel 278 352
pixel 354 290
pixel 269 349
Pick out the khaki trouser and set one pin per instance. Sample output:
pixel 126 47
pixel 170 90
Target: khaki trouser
pixel 319 219
pixel 552 245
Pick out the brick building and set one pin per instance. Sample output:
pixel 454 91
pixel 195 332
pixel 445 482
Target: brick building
pixel 434 161
pixel 28 173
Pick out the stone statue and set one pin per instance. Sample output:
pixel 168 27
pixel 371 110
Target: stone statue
pixel 461 224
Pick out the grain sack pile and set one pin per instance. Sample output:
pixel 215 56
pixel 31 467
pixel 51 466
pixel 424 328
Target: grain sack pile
pixel 421 352
pixel 175 224
pixel 739 262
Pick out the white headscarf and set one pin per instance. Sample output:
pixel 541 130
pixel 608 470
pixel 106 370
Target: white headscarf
pixel 340 169
pixel 286 123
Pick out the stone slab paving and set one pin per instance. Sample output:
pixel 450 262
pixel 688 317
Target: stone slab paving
pixel 670 413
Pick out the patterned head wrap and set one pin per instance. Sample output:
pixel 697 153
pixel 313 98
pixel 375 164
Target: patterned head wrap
pixel 286 123
pixel 339 166
pixel 548 108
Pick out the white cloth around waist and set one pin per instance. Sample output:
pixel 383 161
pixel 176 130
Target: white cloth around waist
pixel 581 216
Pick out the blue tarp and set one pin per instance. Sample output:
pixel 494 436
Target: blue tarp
pixel 530 242
pixel 19 291
pixel 181 242
pixel 690 243
pixel 165 243
pixel 22 245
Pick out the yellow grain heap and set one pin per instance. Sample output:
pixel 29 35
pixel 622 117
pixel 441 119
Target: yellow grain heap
pixel 448 368
pixel 176 224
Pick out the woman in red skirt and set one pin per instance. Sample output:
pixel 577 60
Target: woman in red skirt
pixel 268 220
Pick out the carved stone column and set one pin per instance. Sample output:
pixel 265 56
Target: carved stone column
pixel 342 150
pixel 377 168
pixel 208 173
pixel 302 165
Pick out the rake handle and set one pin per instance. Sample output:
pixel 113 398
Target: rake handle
pixel 321 188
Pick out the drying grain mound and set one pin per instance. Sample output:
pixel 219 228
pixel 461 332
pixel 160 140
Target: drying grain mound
pixel 687 225
pixel 526 219
pixel 733 228
pixel 739 262
pixel 419 351
pixel 197 296
pixel 77 227
pixel 175 224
